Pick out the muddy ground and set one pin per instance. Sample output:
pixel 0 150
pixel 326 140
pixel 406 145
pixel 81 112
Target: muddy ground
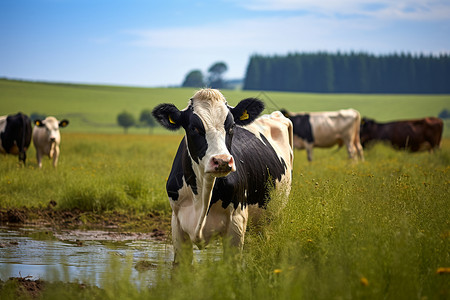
pixel 62 222
pixel 24 288
pixel 77 225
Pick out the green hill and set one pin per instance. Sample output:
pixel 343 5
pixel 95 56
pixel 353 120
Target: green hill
pixel 94 108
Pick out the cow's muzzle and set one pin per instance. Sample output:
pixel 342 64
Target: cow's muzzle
pixel 221 165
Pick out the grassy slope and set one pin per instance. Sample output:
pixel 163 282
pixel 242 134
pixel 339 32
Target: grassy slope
pixel 95 108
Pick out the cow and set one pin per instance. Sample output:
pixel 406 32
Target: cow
pixel 326 129
pixel 15 135
pixel 46 138
pixel 413 135
pixel 224 165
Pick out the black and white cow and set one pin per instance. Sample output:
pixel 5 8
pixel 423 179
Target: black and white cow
pixel 223 166
pixel 15 134
pixel 326 129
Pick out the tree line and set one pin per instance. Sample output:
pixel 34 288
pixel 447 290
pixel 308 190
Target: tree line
pixel 126 120
pixel 349 73
pixel 195 78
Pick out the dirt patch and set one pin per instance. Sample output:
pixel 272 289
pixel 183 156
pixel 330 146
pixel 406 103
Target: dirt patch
pixel 25 288
pixel 82 224
pixel 14 216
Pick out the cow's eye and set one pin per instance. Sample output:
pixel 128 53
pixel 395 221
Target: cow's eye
pixel 196 130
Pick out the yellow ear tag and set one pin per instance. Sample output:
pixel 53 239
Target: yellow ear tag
pixel 171 120
pixel 244 116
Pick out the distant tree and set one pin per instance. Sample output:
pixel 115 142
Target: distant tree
pixel 350 73
pixel 444 114
pixel 194 79
pixel 253 76
pixel 126 120
pixel 215 79
pixel 147 119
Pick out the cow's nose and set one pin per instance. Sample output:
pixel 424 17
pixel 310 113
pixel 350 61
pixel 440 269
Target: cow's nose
pixel 222 163
pixel 52 139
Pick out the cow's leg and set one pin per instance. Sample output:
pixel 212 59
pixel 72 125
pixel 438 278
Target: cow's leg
pixel 55 156
pixel 182 244
pixel 234 238
pixel 357 143
pixel 309 151
pixel 350 149
pixel 39 158
pixel 359 150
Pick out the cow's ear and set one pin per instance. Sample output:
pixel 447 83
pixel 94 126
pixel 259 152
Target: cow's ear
pixel 284 112
pixel 39 123
pixel 64 123
pixel 366 121
pixel 247 111
pixel 168 115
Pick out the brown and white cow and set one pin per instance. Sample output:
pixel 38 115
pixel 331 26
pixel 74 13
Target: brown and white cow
pixel 326 129
pixel 414 135
pixel 46 138
pixel 15 135
pixel 225 163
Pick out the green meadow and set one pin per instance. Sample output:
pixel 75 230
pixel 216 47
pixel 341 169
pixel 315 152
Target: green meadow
pixel 378 229
pixel 94 109
pixel 372 230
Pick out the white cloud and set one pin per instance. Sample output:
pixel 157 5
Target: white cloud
pixel 332 25
pixel 206 36
pixel 384 9
pixel 266 35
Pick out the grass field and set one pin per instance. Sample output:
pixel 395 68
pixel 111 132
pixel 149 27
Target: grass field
pixel 94 109
pixel 373 230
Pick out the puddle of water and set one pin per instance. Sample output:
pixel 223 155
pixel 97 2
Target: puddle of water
pixel 25 253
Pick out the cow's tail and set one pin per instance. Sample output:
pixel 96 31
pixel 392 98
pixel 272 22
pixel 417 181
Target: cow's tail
pixel 357 138
pixel 440 128
pixel 291 141
pixel 291 135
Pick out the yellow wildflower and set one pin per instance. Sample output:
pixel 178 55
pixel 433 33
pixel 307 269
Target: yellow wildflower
pixel 443 270
pixel 364 281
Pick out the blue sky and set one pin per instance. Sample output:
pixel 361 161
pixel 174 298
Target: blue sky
pixel 156 43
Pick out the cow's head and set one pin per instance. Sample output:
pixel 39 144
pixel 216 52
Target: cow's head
pixel 209 123
pixel 367 130
pixel 52 125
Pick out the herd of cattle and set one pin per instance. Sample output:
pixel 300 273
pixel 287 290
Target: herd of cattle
pixel 15 134
pixel 230 157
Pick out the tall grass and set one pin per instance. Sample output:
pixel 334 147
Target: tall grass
pixel 95 173
pixel 373 230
